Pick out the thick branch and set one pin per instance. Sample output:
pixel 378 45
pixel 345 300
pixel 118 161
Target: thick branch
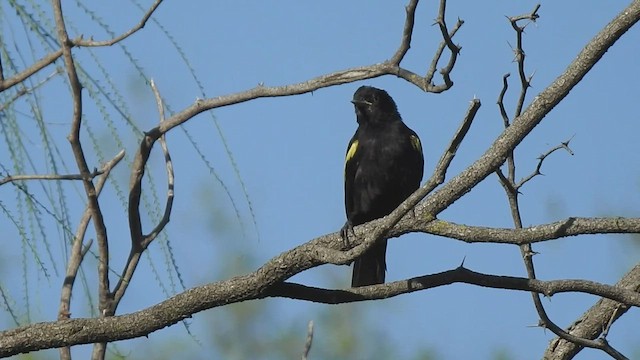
pixel 265 282
pixel 572 226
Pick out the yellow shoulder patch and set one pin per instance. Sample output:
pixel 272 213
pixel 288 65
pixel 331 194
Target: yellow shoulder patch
pixel 352 150
pixel 416 143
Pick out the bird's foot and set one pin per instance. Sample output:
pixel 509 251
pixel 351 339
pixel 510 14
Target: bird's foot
pixel 344 233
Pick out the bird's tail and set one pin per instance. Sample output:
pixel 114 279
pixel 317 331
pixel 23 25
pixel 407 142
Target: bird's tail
pixel 370 267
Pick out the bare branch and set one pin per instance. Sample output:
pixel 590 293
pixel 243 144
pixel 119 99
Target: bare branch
pixel 133 30
pixel 589 325
pixel 500 102
pixel 405 44
pixel 307 344
pixel 436 58
pixel 37 66
pixel 78 251
pixel 573 226
pixel 532 16
pixel 426 83
pixel 90 190
pixel 453 48
pixel 12 178
pixel 541 158
pixel 458 275
pixel 24 90
pixel 520 55
pixel 143 242
pixel 454 144
pixel 265 282
pixel 170 176
pixel 511 190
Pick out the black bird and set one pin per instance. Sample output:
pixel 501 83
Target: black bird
pixel 383 166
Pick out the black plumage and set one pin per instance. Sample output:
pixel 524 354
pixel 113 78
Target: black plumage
pixel 384 165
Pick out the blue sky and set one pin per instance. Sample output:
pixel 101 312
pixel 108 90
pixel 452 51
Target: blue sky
pixel 290 154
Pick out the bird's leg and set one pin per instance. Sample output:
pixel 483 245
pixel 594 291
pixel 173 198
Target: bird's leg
pixel 344 233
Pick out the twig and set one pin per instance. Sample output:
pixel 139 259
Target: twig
pixel 612 318
pixel 500 102
pixel 133 30
pixel 520 55
pixel 78 251
pixel 436 58
pixel 453 48
pixel 426 83
pixel 24 90
pixel 140 244
pixel 28 72
pixel 541 158
pixel 170 175
pixel 12 178
pixel 458 275
pixel 407 33
pixel 307 343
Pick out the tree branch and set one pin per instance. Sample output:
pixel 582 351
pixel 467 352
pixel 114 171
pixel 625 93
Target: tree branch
pixel 589 325
pixel 28 72
pixel 52 57
pixel 117 39
pixel 459 275
pixel 265 282
pixel 564 145
pixel 138 247
pixel 572 226
pixel 78 251
pixel 12 178
pixel 90 190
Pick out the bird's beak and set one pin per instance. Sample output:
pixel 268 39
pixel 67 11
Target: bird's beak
pixel 360 102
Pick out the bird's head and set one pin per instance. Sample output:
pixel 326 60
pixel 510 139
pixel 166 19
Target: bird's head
pixel 374 105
